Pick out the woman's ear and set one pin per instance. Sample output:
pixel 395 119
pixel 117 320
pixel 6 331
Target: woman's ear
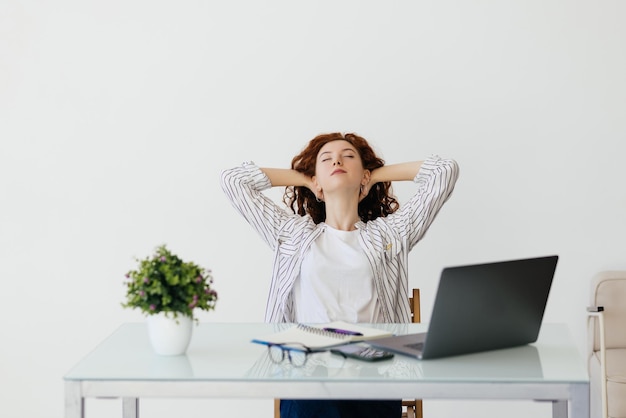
pixel 317 189
pixel 364 190
pixel 367 176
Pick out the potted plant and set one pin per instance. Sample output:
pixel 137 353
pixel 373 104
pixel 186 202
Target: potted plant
pixel 168 290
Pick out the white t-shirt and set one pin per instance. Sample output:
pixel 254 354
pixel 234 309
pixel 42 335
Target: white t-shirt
pixel 336 281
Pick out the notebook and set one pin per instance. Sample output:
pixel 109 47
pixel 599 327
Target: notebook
pixel 482 307
pixel 322 336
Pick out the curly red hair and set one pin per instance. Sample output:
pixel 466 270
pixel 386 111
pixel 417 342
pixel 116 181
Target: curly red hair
pixel 380 200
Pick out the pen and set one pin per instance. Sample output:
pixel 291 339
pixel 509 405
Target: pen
pixel 342 331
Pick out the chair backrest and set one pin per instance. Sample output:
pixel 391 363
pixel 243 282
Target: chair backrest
pixel 413 408
pixel 414 301
pixel 608 289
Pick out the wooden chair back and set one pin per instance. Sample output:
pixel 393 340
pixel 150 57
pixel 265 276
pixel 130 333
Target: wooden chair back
pixel 413 408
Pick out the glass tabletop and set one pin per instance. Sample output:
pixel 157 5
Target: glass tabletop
pixel 224 352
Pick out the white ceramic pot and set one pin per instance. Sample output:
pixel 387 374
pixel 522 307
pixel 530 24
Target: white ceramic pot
pixel 169 336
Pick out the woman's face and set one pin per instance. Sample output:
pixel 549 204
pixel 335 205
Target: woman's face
pixel 339 167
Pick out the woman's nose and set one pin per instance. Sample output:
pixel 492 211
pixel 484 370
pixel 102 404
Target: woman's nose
pixel 337 162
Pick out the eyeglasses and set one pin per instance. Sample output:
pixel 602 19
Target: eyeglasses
pixel 295 352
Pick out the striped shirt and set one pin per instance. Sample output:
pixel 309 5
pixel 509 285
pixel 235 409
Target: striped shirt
pixel 386 241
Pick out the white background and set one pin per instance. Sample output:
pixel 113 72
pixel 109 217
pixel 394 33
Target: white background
pixel 116 118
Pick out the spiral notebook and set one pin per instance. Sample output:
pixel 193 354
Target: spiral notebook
pixel 322 336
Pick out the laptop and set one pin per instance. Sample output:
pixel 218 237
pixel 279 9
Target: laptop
pixel 481 307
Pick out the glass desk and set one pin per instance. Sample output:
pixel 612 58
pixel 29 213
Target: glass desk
pixel 221 362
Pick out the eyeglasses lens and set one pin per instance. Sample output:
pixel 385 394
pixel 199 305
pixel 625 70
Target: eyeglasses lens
pixel 277 354
pixel 296 357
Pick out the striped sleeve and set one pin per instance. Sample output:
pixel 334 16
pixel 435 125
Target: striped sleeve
pixel 435 182
pixel 243 186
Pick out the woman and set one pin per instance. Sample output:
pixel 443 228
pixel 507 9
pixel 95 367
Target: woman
pixel 342 254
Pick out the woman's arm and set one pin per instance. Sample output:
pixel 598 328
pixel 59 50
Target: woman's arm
pixel 285 177
pixel 243 186
pixel 396 172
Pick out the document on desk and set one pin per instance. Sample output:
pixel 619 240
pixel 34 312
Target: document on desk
pixel 322 336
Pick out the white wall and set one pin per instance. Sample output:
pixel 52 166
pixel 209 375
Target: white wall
pixel 116 118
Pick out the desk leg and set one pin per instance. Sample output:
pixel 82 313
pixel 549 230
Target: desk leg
pixel 580 401
pixel 559 409
pixel 130 407
pixel 74 401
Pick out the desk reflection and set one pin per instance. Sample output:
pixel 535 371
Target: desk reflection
pixel 515 363
pixel 327 365
pixel 170 367
pixel 498 365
